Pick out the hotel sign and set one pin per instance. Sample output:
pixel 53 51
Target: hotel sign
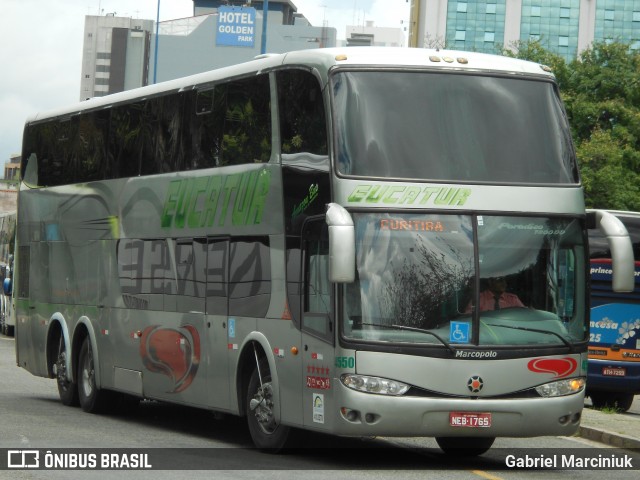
pixel 236 26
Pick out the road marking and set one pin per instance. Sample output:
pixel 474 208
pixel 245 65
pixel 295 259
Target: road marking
pixel 486 475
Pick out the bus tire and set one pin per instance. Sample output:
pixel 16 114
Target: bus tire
pixel 92 399
pixel 615 400
pixel 265 432
pixel 465 446
pixel 67 390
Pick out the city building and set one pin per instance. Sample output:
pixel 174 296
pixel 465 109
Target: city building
pixel 12 168
pixel 222 34
pixel 565 27
pixel 115 54
pixel 124 53
pixel 370 35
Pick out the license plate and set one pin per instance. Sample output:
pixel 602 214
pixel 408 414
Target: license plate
pixel 614 372
pixel 469 419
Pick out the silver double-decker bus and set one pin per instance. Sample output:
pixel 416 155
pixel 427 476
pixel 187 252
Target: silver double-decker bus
pixel 359 241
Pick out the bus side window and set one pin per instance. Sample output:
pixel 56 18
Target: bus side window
pixel 126 139
pixel 190 261
pixel 203 130
pixel 317 314
pixel 632 225
pixel 217 276
pixel 246 107
pixel 301 112
pixel 164 150
pixel 58 167
pixel 566 284
pixel 91 146
pixel 249 277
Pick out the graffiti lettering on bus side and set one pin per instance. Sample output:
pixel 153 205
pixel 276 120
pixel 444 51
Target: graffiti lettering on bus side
pixel 216 200
pixel 410 195
pixel 308 200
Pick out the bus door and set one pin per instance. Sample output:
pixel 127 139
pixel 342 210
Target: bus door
pixel 318 327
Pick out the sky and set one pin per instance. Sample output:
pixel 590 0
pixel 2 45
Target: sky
pixel 41 46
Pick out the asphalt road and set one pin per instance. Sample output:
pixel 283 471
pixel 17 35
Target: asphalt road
pixel 192 443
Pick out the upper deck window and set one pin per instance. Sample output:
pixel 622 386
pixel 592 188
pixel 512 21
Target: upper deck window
pixel 451 127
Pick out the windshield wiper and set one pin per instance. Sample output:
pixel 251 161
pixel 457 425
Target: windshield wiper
pixel 537 330
pixel 413 329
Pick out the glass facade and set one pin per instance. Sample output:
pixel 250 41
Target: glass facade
pixel 554 23
pixel 618 20
pixel 475 25
pixel 479 25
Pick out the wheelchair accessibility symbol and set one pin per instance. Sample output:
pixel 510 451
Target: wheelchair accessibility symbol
pixel 459 332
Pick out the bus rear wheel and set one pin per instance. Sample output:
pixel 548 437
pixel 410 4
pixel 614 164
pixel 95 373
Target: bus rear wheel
pixel 266 432
pixel 92 399
pixel 67 390
pixel 465 446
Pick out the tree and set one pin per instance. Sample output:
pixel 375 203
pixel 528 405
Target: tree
pixel 601 93
pixel 602 98
pixel 607 180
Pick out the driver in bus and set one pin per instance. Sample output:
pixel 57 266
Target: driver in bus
pixel 496 297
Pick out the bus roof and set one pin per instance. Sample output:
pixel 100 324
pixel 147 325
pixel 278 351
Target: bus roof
pixel 417 57
pixel 323 59
pixel 619 213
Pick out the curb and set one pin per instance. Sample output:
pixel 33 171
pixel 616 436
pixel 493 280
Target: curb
pixel 609 438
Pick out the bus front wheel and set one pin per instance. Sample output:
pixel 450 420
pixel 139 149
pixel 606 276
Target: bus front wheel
pixel 266 432
pixel 465 446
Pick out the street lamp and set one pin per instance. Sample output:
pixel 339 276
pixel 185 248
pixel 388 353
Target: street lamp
pixel 155 56
pixel 265 10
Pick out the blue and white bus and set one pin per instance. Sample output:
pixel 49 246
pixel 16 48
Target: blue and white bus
pixel 614 342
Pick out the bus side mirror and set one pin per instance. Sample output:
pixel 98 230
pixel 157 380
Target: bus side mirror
pixel 6 286
pixel 622 260
pixel 342 245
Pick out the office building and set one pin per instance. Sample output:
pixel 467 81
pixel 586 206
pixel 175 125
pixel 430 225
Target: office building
pixel 565 27
pixel 12 168
pixel 120 53
pixel 203 42
pixel 115 54
pixel 370 35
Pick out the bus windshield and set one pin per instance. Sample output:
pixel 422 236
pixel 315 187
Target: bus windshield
pixel 425 278
pixel 451 127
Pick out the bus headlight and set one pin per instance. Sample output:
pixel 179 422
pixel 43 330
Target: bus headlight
pixel 561 387
pixel 381 386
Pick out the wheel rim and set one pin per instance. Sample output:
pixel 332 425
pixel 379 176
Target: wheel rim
pixel 262 406
pixel 87 374
pixel 61 370
pixel 61 367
